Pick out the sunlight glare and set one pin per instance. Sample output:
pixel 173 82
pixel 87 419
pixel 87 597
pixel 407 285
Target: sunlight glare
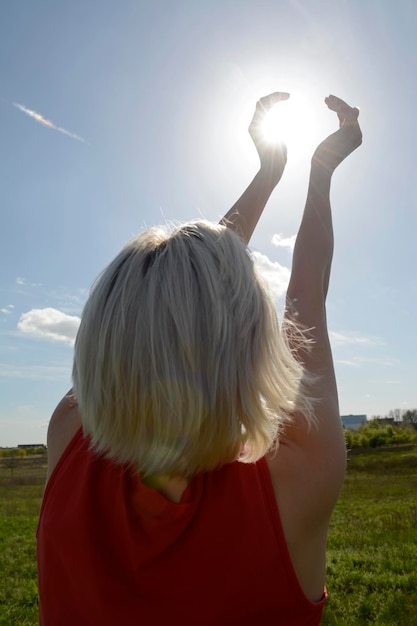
pixel 292 121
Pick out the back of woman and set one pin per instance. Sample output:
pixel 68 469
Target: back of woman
pixel 115 551
pixel 193 469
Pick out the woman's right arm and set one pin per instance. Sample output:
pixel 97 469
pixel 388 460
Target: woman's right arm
pixel 308 468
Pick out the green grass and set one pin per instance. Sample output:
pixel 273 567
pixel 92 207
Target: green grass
pixel 372 549
pixel 372 556
pixel 21 489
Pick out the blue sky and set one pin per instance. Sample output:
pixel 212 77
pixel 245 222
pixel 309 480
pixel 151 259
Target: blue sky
pixel 155 98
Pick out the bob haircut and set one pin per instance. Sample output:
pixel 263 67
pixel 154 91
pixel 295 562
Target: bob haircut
pixel 180 366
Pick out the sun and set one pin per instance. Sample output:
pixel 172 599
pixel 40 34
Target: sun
pixel 292 121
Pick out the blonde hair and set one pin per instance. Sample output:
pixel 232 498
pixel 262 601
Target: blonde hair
pixel 179 362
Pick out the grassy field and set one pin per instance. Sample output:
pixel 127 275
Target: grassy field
pixel 21 487
pixel 372 558
pixel 372 549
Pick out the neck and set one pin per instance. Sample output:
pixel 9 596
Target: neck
pixel 172 487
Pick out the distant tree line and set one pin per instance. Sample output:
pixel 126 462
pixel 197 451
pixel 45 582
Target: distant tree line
pixel 20 452
pixel 407 417
pixel 398 427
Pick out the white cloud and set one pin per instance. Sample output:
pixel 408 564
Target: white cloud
pixel 70 302
pixel 358 361
pixel 276 275
pixel 348 342
pixel 284 242
pixel 50 324
pixel 7 309
pixel 338 339
pixel 24 283
pixel 351 363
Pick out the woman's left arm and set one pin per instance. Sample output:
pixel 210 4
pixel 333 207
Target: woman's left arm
pixel 63 425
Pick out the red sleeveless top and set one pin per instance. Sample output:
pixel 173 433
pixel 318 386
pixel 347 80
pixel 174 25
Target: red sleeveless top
pixel 113 551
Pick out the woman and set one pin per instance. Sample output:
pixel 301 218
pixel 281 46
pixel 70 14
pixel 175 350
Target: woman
pixel 193 471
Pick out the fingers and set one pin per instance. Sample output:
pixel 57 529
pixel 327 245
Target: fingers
pixel 263 106
pixel 335 104
pixel 345 113
pixel 265 103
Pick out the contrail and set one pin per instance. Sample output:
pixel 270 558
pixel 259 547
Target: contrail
pixel 45 122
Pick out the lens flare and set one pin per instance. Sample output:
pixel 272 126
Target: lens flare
pixel 293 122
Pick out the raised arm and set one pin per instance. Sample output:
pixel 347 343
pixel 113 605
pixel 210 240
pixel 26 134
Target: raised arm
pixel 306 299
pixel 308 469
pixel 313 251
pixel 314 244
pixel 243 217
pixel 307 291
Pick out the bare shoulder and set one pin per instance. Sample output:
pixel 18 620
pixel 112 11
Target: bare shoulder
pixel 309 465
pixel 311 457
pixel 308 468
pixel 307 478
pixel 63 425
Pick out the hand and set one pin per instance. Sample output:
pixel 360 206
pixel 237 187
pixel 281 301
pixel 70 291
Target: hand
pixel 333 150
pixel 273 156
